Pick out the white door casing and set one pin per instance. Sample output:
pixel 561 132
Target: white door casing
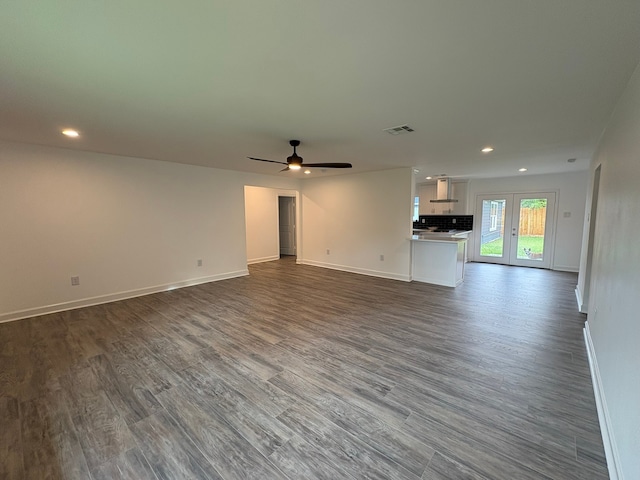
pixel 499 217
pixel 287 225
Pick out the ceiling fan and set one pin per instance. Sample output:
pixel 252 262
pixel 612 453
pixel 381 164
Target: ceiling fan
pixel 294 162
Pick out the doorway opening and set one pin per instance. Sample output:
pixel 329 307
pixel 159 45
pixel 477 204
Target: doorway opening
pixel 287 225
pixel 270 224
pixel 516 229
pixel 584 301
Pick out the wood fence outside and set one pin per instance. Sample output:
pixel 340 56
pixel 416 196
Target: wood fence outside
pixel 532 221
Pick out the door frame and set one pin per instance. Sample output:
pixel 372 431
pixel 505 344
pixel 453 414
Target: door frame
pixel 583 299
pixel 291 199
pixel 550 228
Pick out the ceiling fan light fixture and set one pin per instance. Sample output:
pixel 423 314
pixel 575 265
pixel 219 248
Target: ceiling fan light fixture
pixel 71 133
pixel 294 166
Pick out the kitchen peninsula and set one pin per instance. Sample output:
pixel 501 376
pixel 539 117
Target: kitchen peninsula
pixel 438 256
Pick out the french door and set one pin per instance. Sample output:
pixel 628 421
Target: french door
pixel 515 229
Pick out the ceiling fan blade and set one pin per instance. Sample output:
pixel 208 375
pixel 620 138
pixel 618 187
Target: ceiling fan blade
pixel 263 160
pixel 295 162
pixel 327 165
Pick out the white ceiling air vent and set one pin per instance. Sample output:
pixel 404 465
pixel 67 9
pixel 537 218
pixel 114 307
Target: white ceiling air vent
pixel 398 130
pixel 443 192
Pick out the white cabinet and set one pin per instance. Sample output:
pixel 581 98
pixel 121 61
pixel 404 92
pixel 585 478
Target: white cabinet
pixel 427 192
pixel 440 262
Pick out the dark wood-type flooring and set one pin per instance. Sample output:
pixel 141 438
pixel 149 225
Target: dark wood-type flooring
pixel 301 372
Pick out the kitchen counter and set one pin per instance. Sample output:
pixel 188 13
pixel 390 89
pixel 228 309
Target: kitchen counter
pixel 419 234
pixel 438 257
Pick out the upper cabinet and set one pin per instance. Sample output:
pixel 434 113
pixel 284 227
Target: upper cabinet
pixel 427 192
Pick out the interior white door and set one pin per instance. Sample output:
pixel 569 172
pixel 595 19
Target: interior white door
pixel 516 229
pixel 287 225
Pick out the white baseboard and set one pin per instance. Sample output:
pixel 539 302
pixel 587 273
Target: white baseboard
pixel 582 308
pixel 610 447
pixel 565 268
pixel 263 259
pixel 113 297
pixel 361 271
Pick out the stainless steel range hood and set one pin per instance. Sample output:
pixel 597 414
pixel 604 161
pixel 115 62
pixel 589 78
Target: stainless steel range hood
pixel 443 191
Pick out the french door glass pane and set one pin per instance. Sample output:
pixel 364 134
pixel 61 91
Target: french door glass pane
pixel 532 215
pixel 492 231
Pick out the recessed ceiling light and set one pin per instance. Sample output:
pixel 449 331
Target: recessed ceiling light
pixel 307 172
pixel 522 169
pixel 487 150
pixel 428 178
pixel 69 132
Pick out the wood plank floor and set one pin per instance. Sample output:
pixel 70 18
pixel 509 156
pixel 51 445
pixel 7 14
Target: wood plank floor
pixel 302 372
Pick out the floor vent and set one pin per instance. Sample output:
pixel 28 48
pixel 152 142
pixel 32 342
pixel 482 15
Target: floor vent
pixel 398 130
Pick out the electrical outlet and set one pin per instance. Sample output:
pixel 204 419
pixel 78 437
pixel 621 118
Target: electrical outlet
pixel 453 220
pixel 566 214
pixel 382 258
pixel 328 251
pixel 75 281
pixel 199 263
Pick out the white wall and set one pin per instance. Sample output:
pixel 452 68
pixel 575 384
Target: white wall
pixel 126 226
pixel 614 318
pixel 359 217
pixel 572 193
pixel 261 219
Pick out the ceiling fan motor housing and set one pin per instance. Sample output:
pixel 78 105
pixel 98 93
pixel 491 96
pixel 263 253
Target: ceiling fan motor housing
pixel 294 159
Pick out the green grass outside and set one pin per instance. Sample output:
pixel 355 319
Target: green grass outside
pixel 494 248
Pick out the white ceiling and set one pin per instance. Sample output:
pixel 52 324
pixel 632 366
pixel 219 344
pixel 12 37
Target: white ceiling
pixel 210 82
